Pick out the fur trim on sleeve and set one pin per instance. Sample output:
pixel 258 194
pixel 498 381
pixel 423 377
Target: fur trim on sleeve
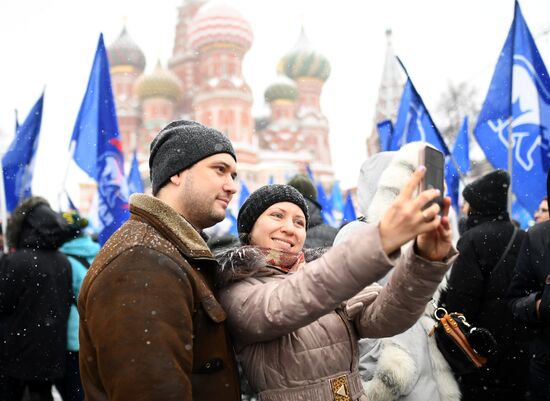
pixel 395 375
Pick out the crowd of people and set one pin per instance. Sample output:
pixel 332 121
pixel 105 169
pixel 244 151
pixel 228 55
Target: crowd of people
pixel 291 309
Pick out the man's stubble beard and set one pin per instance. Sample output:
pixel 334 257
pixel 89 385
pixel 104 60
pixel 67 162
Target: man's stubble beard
pixel 201 206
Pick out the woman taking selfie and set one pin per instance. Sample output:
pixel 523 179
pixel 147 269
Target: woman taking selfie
pixel 293 334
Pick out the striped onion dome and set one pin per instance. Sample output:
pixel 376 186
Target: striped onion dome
pixel 160 83
pixel 125 52
pixel 283 88
pixel 218 24
pixel 304 62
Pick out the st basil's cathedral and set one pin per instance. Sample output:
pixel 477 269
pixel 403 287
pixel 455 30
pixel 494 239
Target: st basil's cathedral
pixel 203 81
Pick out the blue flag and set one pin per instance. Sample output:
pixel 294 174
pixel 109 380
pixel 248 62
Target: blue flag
pixel 349 210
pixel 244 193
pixel 414 123
pixel 18 162
pixel 385 133
pixel 135 184
pixel 98 150
pixel 522 216
pixel 336 200
pixel 326 207
pixel 519 93
pixel 461 157
pixel 233 220
pixel 310 173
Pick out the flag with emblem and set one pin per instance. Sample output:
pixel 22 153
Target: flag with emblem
pixel 512 127
pixel 97 148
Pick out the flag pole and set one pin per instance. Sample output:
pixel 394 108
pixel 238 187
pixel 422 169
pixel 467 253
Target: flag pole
pixel 510 162
pixel 4 206
pixel 510 110
pixel 64 182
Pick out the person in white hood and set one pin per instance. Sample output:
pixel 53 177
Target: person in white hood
pixel 407 366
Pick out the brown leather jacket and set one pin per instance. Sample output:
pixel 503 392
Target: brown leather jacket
pixel 150 327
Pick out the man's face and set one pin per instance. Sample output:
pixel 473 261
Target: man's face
pixel 542 212
pixel 206 189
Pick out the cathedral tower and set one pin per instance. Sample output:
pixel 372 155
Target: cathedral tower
pixel 310 70
pixel 127 63
pixel 389 95
pixel 221 37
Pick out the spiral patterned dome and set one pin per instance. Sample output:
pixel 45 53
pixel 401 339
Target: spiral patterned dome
pixel 304 62
pixel 124 51
pixel 282 89
pixel 160 83
pixel 219 24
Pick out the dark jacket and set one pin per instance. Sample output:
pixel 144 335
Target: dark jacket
pixel 530 282
pixel 319 234
pixel 150 328
pixel 35 294
pixel 476 289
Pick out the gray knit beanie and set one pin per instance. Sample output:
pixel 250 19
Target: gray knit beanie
pixel 305 186
pixel 181 144
pixel 260 200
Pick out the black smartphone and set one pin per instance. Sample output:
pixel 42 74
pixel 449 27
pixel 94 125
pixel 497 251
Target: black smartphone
pixel 434 161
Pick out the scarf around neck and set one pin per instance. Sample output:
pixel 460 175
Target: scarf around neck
pixel 281 260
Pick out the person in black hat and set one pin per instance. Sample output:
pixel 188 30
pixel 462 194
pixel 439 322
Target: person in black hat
pixel 529 300
pixel 319 234
pixel 151 328
pixel 478 284
pixel 35 298
pixel 295 314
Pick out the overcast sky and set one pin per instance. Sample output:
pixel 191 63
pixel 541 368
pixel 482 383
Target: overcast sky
pixel 51 43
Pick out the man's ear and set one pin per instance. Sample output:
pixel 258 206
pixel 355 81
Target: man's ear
pixel 176 179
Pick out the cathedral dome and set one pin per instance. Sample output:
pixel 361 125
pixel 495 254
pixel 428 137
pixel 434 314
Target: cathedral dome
pixel 304 62
pixel 160 83
pixel 219 24
pixel 282 89
pixel 125 52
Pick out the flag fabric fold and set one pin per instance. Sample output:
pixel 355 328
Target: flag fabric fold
pixel 461 157
pixel 97 147
pixel 349 210
pixel 414 123
pixel 326 207
pixel 135 184
pixel 385 133
pixel 518 104
pixel 336 200
pixel 18 162
pixel 244 193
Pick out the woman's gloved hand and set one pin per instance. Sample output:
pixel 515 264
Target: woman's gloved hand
pixel 363 298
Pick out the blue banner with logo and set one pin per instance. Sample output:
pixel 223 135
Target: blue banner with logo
pixel 98 149
pixel 518 103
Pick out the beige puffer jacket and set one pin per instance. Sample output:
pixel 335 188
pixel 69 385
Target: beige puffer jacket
pixel 291 334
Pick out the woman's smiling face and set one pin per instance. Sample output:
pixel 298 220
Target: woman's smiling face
pixel 281 226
